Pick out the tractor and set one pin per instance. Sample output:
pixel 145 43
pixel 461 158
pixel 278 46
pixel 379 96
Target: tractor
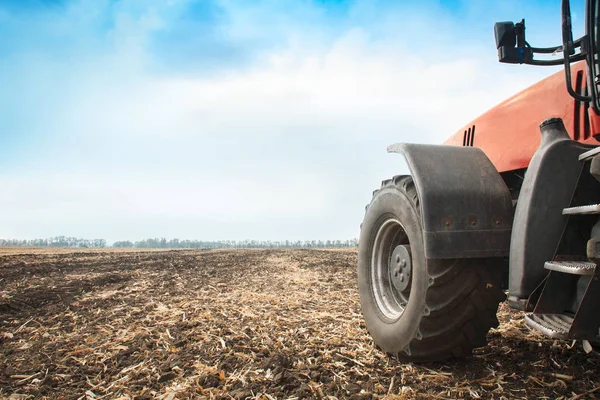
pixel 507 209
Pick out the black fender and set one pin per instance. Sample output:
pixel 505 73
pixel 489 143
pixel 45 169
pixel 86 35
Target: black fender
pixel 548 188
pixel 466 208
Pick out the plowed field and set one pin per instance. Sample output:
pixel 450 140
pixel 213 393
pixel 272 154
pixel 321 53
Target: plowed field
pixel 237 324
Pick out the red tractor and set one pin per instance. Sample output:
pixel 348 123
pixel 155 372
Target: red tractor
pixel 499 207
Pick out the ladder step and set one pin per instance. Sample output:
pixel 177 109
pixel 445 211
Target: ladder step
pixel 556 326
pixel 582 210
pixel 571 267
pixel 589 154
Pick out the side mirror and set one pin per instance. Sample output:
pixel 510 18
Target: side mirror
pixel 510 42
pixel 505 34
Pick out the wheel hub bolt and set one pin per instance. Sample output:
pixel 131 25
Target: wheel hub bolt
pixel 399 268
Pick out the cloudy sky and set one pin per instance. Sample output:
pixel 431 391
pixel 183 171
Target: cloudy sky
pixel 224 119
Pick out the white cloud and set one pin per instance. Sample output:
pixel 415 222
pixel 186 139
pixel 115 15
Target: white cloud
pixel 356 81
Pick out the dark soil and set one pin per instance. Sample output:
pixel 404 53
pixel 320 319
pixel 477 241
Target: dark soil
pixel 238 324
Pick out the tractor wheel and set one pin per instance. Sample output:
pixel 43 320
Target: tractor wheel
pixel 419 309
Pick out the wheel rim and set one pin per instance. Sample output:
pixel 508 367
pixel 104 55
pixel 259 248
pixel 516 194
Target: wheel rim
pixel 391 268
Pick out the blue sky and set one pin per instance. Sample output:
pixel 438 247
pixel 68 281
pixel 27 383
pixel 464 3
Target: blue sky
pixel 127 119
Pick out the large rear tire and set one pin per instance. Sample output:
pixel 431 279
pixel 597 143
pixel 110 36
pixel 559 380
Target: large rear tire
pixel 419 309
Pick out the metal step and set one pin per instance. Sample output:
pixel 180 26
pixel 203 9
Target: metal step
pixel 582 210
pixel 571 267
pixel 589 154
pixel 556 326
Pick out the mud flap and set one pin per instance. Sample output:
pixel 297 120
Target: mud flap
pixel 465 205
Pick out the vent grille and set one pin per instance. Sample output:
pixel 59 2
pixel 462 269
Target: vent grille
pixel 469 137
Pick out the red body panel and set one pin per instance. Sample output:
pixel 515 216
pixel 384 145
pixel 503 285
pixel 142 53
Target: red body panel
pixel 509 133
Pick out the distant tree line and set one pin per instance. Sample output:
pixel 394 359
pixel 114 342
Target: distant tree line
pixel 57 241
pixel 162 243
